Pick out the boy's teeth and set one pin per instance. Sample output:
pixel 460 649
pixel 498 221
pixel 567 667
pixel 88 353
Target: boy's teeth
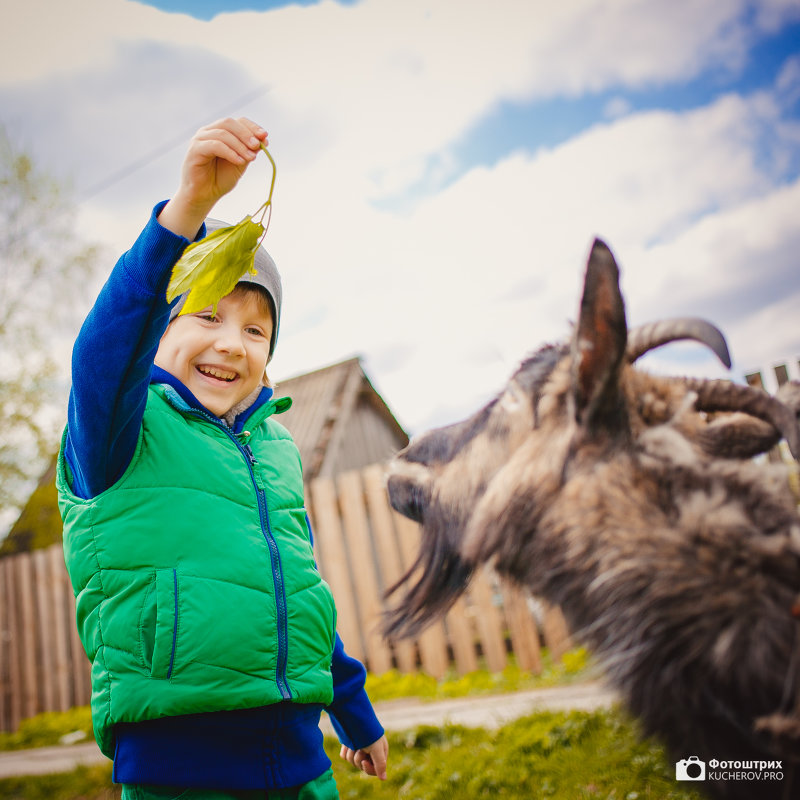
pixel 217 373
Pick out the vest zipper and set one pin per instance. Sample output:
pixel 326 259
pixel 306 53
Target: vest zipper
pixel 274 554
pixel 277 576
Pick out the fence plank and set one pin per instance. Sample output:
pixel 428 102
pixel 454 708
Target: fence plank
pixel 15 655
pixel 490 624
pixel 359 545
pixel 43 630
pixel 556 632
pixel 5 651
pixel 388 553
pixel 522 628
pixel 332 560
pixel 61 588
pixel 26 615
pixel 462 637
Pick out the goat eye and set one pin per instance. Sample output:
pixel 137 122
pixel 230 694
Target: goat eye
pixel 510 401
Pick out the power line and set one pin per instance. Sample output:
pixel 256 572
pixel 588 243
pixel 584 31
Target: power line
pixel 159 151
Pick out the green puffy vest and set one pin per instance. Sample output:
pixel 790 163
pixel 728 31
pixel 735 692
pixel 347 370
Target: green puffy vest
pixel 194 576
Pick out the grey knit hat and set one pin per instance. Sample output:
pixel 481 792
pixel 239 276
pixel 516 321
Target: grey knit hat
pixel 267 277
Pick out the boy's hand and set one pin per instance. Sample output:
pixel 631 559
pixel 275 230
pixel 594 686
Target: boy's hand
pixel 371 759
pixel 217 157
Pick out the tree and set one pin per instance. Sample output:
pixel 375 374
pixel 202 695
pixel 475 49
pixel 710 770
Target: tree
pixel 44 271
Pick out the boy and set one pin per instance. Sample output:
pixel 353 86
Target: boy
pixel 211 635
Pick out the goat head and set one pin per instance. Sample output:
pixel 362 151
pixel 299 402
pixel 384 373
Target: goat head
pixel 635 504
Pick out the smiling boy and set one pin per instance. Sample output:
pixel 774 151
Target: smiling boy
pixel 221 358
pixel 210 632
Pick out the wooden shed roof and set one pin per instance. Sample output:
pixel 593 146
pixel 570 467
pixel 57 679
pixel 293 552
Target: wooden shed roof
pixel 338 420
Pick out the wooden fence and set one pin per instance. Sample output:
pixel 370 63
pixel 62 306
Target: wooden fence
pixel 362 547
pixel 42 664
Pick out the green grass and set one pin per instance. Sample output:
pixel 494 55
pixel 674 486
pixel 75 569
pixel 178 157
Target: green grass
pixel 558 755
pixel 573 666
pixel 84 783
pixel 48 728
pixel 555 755
pixel 563 756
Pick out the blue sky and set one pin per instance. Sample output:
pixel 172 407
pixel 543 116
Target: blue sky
pixel 443 166
pixel 544 123
pixel 547 122
pixel 208 9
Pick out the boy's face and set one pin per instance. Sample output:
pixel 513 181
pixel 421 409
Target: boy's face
pixel 221 359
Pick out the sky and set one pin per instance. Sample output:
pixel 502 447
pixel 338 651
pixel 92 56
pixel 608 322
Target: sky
pixel 444 166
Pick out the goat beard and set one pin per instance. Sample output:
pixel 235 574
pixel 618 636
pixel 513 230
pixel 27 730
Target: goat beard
pixel 443 576
pixel 457 539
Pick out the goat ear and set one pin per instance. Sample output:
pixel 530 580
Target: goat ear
pixel 598 348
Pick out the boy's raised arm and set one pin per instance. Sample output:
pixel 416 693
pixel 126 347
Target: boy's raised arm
pixel 114 352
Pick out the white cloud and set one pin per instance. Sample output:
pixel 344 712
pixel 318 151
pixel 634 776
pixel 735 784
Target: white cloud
pixel 42 39
pixel 391 83
pixel 617 107
pixel 445 295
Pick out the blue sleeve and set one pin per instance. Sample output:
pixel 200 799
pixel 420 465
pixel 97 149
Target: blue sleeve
pixel 351 712
pixel 113 357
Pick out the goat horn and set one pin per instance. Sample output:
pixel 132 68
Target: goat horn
pixel 727 396
pixel 654 334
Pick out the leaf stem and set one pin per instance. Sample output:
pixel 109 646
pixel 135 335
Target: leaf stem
pixel 267 206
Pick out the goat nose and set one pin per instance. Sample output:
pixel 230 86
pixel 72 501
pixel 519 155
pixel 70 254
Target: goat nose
pixel 408 497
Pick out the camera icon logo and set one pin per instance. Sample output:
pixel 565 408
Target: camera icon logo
pixel 690 769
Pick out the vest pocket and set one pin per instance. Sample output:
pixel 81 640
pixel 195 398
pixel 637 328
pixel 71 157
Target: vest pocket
pixel 159 627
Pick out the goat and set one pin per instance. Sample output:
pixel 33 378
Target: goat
pixel 634 503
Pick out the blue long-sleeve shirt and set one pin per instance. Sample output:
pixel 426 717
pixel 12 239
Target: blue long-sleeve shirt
pixel 112 365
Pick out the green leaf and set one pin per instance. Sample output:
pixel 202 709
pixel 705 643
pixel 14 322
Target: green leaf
pixel 211 268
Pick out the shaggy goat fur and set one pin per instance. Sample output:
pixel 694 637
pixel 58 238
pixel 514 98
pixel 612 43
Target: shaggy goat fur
pixel 632 502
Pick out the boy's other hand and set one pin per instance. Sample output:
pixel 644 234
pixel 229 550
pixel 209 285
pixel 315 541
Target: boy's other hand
pixel 217 157
pixel 371 759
